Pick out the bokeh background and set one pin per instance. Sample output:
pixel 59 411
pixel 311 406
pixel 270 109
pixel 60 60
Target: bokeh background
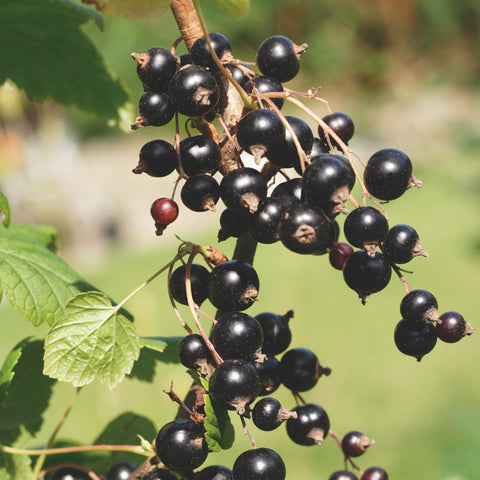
pixel 407 72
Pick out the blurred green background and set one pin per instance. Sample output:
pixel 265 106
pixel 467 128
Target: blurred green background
pixel 408 74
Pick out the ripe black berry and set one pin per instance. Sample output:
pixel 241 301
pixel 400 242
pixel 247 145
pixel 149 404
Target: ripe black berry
pixel 374 473
pixel 243 189
pixel 233 223
pixel 154 109
pixel 160 474
pixel 452 327
pixel 259 464
pixel 305 229
pixel 198 283
pixel 339 252
pixel 279 58
pixel 266 85
pixel 120 470
pixel 259 132
pixel 366 274
pixel 341 124
pixel 365 227
pixel 199 154
pixel 233 286
pixel 214 472
pixel 311 425
pixel 157 159
pixel 238 75
pixel 237 335
pixel 200 52
pixel 276 332
pixel 69 473
pixel 388 174
pixel 264 222
pixel 401 244
pixel 300 369
pixel 200 193
pixel 342 475
pixel 181 445
pixel 268 414
pixel 288 192
pixel 419 306
pixel 194 91
pixel 155 68
pixel 193 352
pixel 269 374
pixel 355 443
pixel 164 211
pixel 235 385
pixel 415 339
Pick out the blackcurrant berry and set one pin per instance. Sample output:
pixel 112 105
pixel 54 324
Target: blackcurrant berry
pixel 339 252
pixel 365 227
pixel 374 473
pixel 235 385
pixel 259 464
pixel 120 470
pixel 200 52
pixel 279 58
pixel 243 189
pixel 154 109
pixel 160 474
pixel 355 443
pixel 401 244
pixel 69 473
pixel 264 222
pixel 198 283
pixel 164 211
pixel 415 339
pixel 237 335
pixel 300 369
pixel 269 374
pixel 419 306
pixel 238 75
pixel 233 286
pixel 305 229
pixel 268 414
pixel 342 475
pixel 193 352
pixel 181 445
pixel 233 223
pixel 388 174
pixel 285 154
pixel 157 159
pixel 311 425
pixel 341 124
pixel 452 327
pixel 327 183
pixel 366 274
pixel 194 91
pixel 266 85
pixel 276 332
pixel 214 472
pixel 288 192
pixel 200 193
pixel 259 132
pixel 155 68
pixel 199 154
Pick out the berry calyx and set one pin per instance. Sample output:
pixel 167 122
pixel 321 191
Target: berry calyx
pixel 164 211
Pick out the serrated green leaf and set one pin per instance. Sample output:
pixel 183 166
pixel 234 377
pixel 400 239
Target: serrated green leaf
pixel 4 210
pixel 27 396
pixel 42 234
pixel 45 53
pixel 91 341
pixel 124 430
pixel 34 279
pixel 233 8
pixel 132 9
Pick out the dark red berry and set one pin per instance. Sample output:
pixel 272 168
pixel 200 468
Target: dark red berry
pixel 374 473
pixel 452 327
pixel 415 339
pixel 339 252
pixel 355 443
pixel 259 464
pixel 311 425
pixel 164 211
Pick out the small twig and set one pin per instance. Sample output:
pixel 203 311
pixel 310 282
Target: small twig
pixel 175 398
pixel 247 432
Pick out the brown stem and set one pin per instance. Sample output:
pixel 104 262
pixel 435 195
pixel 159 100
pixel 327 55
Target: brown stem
pixel 187 21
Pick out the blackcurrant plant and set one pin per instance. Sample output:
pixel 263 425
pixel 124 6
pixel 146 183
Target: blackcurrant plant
pixel 299 194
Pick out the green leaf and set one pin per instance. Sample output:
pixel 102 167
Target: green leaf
pixel 44 235
pixel 132 9
pixel 233 8
pixel 4 210
pixel 15 467
pixel 154 349
pixel 91 341
pixel 28 391
pixel 45 52
pixel 124 430
pixel 33 278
